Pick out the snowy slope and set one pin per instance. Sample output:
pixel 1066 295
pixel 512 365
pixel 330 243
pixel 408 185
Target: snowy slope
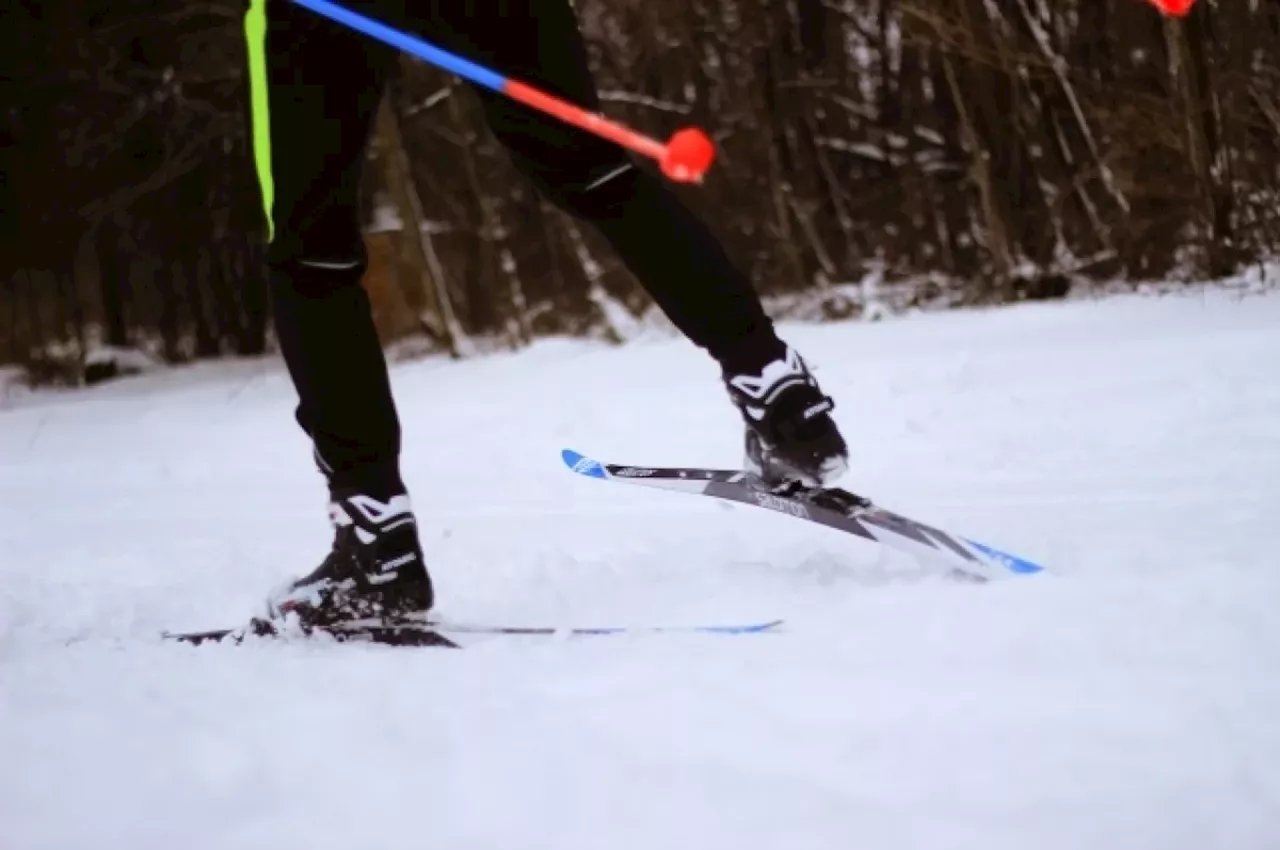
pixel 1128 700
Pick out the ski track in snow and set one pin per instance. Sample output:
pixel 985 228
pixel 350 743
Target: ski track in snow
pixel 1128 700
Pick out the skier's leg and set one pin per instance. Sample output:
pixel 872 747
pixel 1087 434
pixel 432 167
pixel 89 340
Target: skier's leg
pixel 315 89
pixel 691 278
pixel 671 252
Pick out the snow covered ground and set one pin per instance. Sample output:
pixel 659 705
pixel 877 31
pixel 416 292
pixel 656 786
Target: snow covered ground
pixel 1128 701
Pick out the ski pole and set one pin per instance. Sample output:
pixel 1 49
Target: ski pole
pixel 684 158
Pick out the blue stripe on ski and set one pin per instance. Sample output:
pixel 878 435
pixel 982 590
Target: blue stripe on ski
pixel 1010 562
pixel 583 465
pixel 445 627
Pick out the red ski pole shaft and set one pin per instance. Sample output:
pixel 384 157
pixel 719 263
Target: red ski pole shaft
pixel 581 118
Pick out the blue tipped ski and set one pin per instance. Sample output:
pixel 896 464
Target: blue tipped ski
pixel 832 507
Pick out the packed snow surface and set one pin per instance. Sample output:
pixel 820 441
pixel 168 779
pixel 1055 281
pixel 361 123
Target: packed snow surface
pixel 1127 699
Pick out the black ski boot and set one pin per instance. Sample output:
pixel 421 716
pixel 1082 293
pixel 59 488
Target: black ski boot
pixel 375 573
pixel 791 436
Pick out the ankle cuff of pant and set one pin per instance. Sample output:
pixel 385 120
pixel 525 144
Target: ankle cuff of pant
pixel 749 354
pixel 381 484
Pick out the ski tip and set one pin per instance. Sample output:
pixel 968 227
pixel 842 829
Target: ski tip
pixel 1012 563
pixel 583 465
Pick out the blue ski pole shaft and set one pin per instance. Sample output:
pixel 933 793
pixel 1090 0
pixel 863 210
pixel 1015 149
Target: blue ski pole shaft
pixel 685 157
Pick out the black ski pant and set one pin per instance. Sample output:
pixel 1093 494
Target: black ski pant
pixel 315 89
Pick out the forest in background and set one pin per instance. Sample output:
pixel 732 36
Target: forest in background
pixel 979 151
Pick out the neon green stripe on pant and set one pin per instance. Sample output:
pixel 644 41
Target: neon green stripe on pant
pixel 255 31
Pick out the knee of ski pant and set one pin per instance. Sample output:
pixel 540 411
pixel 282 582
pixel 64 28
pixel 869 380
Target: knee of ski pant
pixel 313 267
pixel 590 190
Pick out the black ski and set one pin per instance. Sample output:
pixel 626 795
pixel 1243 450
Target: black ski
pixel 831 507
pixel 404 634
pixel 448 634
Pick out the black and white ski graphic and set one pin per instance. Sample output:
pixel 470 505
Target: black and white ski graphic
pixel 392 635
pixel 447 634
pixel 832 507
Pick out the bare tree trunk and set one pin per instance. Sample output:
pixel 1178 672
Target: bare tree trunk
pixel 996 238
pixel 440 320
pixel 1195 96
pixel 246 267
pixel 619 324
pixel 204 304
pixel 113 278
pixel 1082 123
pixel 497 258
